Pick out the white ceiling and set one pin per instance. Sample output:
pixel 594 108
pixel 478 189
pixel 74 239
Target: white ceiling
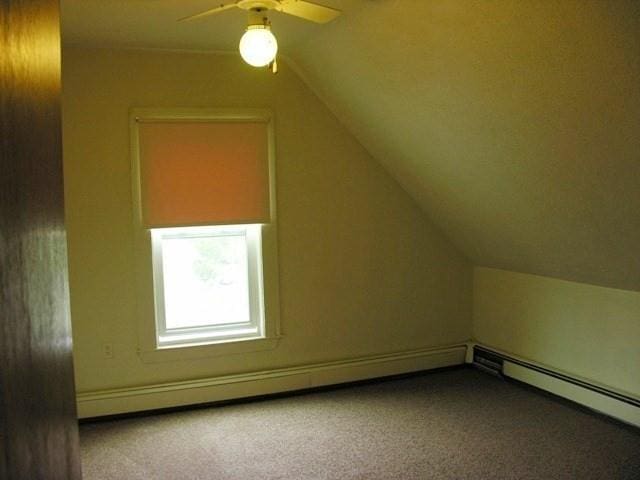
pixel 154 24
pixel 515 124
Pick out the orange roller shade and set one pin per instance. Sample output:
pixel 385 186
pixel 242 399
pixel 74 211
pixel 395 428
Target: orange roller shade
pixel 198 173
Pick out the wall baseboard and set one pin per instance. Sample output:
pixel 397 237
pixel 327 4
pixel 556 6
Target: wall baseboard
pixel 606 400
pixel 208 390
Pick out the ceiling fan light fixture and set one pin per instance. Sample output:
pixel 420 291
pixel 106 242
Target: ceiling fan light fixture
pixel 258 46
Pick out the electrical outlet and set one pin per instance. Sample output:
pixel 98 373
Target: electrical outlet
pixel 107 350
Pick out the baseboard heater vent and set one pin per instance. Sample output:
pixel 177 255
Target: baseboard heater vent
pixel 487 361
pixel 484 357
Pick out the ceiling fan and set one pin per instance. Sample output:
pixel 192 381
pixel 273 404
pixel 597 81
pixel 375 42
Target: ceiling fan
pixel 258 46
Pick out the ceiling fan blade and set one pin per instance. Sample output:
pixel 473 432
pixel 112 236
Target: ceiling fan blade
pixel 220 8
pixel 309 11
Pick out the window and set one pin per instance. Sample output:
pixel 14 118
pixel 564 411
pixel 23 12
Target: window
pixel 207 284
pixel 204 217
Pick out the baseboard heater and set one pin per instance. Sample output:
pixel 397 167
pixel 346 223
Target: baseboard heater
pixel 488 361
pixel 498 363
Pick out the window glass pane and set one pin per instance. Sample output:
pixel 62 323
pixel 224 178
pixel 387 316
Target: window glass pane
pixel 205 280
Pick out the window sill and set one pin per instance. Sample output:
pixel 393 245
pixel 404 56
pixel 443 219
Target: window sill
pixel 195 351
pixel 207 337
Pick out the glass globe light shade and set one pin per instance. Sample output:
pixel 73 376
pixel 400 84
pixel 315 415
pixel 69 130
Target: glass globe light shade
pixel 258 46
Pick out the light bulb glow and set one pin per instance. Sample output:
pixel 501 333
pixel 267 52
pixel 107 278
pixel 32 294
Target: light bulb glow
pixel 258 46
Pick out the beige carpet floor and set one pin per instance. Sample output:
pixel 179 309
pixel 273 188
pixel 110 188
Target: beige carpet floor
pixel 456 424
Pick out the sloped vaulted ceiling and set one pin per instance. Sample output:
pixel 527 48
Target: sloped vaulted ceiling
pixel 515 124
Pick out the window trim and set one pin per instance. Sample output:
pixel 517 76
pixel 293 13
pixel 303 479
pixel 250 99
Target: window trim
pixel 147 347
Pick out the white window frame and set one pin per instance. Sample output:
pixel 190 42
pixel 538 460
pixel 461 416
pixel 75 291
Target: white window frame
pixel 210 333
pixel 148 349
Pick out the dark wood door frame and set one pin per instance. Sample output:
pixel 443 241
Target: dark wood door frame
pixel 38 425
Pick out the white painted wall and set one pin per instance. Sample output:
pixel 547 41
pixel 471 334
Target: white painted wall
pixel 362 270
pixel 584 330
